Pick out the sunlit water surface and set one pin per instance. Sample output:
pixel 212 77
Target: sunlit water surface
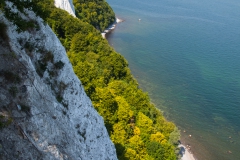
pixel 186 55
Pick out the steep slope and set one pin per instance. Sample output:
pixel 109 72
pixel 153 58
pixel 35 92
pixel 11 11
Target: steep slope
pixel 136 127
pixel 44 111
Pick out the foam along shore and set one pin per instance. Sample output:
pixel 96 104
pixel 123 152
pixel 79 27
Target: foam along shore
pixel 111 27
pixel 185 153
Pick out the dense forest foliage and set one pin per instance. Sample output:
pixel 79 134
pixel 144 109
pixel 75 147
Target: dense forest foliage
pixel 96 12
pixel 136 127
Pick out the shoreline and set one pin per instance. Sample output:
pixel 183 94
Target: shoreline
pixel 185 153
pixel 111 27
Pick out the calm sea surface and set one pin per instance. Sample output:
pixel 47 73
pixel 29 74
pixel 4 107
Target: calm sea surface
pixel 186 55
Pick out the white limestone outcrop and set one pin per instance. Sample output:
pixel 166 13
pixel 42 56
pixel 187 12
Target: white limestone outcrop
pixel 52 117
pixel 66 5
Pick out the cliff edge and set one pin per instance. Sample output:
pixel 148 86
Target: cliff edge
pixel 44 111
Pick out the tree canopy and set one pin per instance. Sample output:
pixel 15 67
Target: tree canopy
pixel 96 12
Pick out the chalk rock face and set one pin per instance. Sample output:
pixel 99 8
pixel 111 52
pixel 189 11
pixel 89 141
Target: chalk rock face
pixel 44 111
pixel 66 5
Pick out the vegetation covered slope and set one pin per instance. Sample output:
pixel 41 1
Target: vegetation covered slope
pixel 96 12
pixel 136 127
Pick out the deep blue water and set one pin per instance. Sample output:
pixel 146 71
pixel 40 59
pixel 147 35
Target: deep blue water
pixel 186 55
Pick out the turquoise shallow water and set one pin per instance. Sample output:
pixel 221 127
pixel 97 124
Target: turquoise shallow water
pixel 186 55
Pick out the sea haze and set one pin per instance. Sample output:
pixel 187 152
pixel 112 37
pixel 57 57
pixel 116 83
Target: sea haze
pixel 186 55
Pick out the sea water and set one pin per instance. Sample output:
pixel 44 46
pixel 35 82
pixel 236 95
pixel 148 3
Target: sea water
pixel 186 55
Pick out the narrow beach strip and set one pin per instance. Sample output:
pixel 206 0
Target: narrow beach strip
pixel 111 27
pixel 185 153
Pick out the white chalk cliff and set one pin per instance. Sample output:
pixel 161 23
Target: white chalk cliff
pixel 66 5
pixel 50 115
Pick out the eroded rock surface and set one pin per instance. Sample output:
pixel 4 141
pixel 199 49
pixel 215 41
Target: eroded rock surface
pixel 44 111
pixel 66 5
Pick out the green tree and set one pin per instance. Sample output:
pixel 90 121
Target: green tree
pixel 95 12
pixel 174 136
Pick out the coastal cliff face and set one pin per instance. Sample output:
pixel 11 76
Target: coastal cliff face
pixel 66 5
pixel 44 111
